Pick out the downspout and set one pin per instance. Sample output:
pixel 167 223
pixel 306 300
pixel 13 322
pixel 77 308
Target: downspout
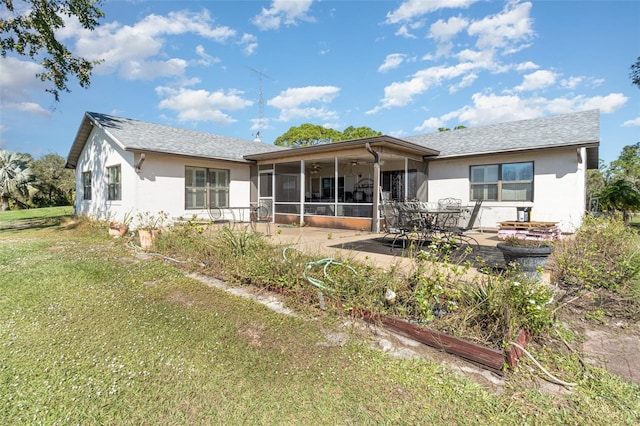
pixel 375 223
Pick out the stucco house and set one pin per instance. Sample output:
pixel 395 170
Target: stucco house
pixel 128 166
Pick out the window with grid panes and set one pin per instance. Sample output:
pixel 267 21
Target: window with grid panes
pixel 206 187
pixel 502 182
pixel 114 183
pixel 86 185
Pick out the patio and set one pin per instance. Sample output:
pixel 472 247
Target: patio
pixel 367 246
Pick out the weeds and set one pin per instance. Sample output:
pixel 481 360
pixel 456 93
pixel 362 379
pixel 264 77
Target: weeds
pixel 604 253
pixel 89 334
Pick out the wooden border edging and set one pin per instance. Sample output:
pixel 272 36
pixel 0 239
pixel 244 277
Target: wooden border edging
pixel 483 355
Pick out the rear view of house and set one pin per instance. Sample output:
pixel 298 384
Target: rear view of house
pixel 128 166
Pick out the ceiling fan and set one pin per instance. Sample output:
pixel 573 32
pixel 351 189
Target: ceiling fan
pixel 315 168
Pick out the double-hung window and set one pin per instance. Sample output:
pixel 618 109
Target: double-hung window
pixel 114 183
pixel 206 187
pixel 502 182
pixel 86 185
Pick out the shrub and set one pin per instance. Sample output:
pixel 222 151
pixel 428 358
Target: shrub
pixel 604 253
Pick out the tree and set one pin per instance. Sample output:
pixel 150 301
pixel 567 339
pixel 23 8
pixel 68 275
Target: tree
pixel 15 177
pixel 621 190
pixel 307 134
pixel 635 73
pixel 620 195
pixel 628 164
pixel 358 133
pixel 53 183
pixel 30 30
pixel 446 129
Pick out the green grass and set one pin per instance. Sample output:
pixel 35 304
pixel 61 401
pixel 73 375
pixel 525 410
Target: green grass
pixel 90 333
pixel 27 214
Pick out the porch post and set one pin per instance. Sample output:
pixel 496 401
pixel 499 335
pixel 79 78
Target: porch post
pixel 302 192
pixel 375 225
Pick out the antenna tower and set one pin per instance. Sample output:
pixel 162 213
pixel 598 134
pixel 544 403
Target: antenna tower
pixel 260 102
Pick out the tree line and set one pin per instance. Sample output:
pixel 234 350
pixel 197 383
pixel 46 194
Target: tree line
pixel 27 183
pixel 616 187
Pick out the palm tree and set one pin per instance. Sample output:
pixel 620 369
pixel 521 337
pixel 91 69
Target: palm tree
pixel 15 176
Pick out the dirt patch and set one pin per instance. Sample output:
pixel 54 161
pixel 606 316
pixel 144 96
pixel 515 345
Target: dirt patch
pixel 181 298
pixel 253 333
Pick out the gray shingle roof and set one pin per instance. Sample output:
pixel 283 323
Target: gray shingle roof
pixel 576 129
pixel 134 135
pixel 580 128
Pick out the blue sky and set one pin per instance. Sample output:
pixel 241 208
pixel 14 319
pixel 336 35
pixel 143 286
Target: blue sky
pixel 400 67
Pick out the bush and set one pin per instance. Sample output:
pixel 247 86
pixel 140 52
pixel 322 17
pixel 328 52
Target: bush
pixel 604 253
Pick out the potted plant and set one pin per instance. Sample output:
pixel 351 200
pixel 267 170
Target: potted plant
pixel 119 228
pixel 529 255
pixel 149 226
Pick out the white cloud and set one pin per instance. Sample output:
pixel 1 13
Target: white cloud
pixel 537 80
pixel 149 70
pixel 249 43
pixel 205 58
pixel 466 81
pixel 291 102
pixel 392 61
pixel 32 108
pixel 402 93
pixel 17 82
pixel 130 49
pixel 504 30
pixel 403 31
pixel 285 12
pixel 491 108
pixel 201 105
pixel 430 125
pixel 606 104
pixel 571 82
pixel 526 66
pixel 444 31
pixel 632 123
pixel 18 78
pixel 412 9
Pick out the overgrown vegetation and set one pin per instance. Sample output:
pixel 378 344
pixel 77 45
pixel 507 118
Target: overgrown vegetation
pixel 92 333
pixel 603 260
pixel 439 290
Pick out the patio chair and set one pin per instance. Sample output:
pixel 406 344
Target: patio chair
pixel 259 213
pixel 392 221
pixel 450 204
pixel 458 233
pixel 449 212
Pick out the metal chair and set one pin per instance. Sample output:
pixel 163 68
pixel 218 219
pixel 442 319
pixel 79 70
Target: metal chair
pixel 260 214
pixel 458 233
pixel 392 221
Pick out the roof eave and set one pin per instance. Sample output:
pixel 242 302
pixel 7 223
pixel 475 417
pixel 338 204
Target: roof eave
pixel 340 145
pixel 84 130
pixel 588 145
pixel 183 155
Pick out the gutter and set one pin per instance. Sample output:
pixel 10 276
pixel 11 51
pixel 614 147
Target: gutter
pixel 375 223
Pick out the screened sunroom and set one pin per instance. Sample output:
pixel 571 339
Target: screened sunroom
pixel 340 184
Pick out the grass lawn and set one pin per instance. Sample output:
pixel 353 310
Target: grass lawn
pixel 90 333
pixel 27 214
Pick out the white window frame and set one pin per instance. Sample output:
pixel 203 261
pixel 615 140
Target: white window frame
pixel 501 183
pixel 86 185
pixel 206 187
pixel 114 183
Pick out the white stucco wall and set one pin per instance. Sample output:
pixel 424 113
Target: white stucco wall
pixel 159 186
pixel 559 187
pixel 98 154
